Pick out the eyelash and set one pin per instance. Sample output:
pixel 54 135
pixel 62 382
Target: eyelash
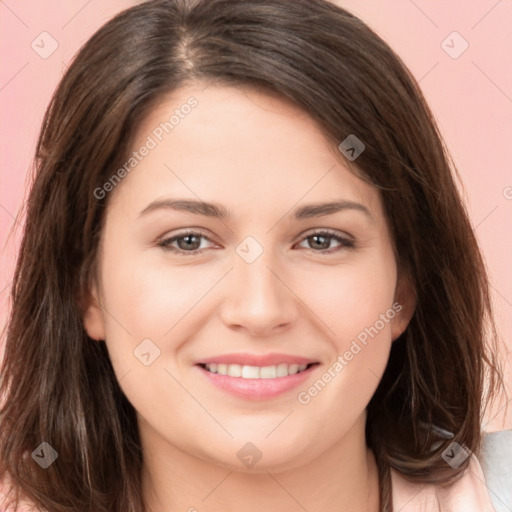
pixel 345 243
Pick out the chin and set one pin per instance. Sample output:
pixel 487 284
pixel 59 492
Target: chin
pixel 267 456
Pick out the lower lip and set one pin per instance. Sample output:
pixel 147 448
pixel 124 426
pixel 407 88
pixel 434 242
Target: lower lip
pixel 257 389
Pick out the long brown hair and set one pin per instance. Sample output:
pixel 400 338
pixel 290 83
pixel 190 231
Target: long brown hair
pixel 58 384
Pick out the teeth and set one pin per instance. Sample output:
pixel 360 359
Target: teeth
pixel 282 370
pixel 234 370
pixel 250 372
pixel 256 372
pixel 268 372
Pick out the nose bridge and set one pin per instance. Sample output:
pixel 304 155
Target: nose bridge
pixel 259 300
pixel 259 280
pixel 259 285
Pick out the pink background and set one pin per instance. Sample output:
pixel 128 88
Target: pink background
pixel 471 97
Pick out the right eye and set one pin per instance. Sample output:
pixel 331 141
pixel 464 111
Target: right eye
pixel 186 243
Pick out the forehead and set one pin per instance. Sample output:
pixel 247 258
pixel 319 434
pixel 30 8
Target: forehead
pixel 239 146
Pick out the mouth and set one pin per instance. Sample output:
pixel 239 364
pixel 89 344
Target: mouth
pixel 260 380
pixel 256 372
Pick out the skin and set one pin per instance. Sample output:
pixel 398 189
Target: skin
pixel 261 158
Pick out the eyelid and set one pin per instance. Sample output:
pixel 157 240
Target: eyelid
pixel 318 231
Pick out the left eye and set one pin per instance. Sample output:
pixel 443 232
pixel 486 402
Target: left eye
pixel 324 239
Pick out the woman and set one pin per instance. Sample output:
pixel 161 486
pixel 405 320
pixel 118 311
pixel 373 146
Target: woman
pixel 247 278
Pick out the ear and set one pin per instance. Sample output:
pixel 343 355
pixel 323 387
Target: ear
pixel 93 314
pixel 404 305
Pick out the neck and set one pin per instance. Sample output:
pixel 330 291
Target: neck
pixel 343 478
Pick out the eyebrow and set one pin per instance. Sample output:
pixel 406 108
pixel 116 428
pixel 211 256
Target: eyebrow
pixel 219 212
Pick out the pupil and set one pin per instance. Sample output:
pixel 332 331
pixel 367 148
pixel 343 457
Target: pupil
pixel 189 241
pixel 325 244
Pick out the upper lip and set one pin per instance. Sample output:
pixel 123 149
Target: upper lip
pixel 257 359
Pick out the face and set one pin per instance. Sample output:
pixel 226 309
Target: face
pixel 263 318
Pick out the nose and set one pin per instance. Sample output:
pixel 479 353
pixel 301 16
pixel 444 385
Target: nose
pixel 258 299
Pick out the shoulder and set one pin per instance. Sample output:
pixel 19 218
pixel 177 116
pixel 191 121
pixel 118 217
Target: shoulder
pixel 496 461
pixel 468 494
pixel 6 490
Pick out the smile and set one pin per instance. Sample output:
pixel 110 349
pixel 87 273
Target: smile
pixel 256 377
pixel 255 372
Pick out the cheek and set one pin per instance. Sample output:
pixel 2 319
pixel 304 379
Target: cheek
pixel 153 299
pixel 147 297
pixel 350 300
pixel 356 304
